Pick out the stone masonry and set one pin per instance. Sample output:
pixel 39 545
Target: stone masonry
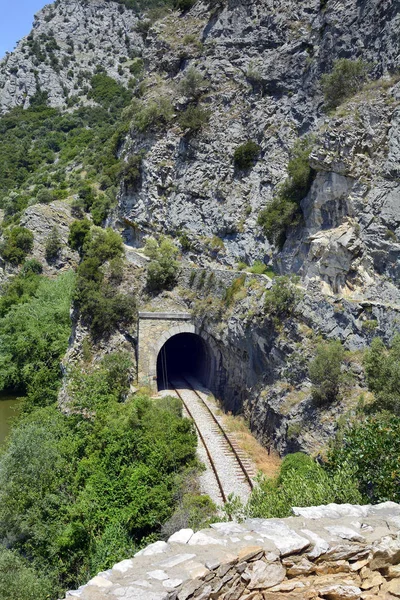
pixel 154 329
pixel 333 552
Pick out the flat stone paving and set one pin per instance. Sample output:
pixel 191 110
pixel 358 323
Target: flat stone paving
pixel 337 552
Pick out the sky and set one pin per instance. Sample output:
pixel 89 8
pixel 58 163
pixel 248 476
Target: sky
pixel 16 18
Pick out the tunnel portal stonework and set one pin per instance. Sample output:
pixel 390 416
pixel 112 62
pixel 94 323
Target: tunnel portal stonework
pixel 154 330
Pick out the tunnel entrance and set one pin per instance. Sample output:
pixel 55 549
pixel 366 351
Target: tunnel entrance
pixel 184 354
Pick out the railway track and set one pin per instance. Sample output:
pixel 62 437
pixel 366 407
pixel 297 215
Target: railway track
pixel 228 471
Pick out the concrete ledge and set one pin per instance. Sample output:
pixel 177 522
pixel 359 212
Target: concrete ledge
pixel 165 316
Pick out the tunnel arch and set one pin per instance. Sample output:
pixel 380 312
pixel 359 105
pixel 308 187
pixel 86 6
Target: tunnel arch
pixel 209 348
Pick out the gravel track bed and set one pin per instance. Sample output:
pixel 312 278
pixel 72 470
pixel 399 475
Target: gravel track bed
pixel 227 466
pixel 207 482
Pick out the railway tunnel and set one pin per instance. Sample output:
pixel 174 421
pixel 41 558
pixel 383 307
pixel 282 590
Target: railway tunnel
pixel 171 345
pixel 184 355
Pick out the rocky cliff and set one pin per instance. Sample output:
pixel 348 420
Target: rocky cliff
pixel 215 76
pixel 69 40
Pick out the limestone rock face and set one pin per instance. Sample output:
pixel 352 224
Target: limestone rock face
pixel 262 62
pixel 69 39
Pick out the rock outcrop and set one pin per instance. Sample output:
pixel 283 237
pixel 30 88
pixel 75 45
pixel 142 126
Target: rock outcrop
pixel 69 41
pixel 333 552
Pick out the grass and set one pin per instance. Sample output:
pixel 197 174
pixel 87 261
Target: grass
pixel 268 464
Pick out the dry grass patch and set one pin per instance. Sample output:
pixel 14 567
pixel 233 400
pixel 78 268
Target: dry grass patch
pixel 267 463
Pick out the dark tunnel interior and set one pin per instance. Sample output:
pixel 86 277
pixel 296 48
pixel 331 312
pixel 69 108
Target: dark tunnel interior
pixel 184 354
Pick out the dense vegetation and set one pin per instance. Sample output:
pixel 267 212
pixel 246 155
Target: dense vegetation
pixel 38 144
pixel 79 493
pixel 162 270
pixel 34 331
pixel 101 306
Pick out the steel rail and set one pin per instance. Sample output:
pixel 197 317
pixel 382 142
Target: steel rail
pixel 221 489
pixel 248 478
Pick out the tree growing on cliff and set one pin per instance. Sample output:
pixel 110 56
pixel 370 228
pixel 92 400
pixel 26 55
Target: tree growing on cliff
pixel 382 368
pixel 325 372
pixel 53 244
pixel 162 271
pixel 346 79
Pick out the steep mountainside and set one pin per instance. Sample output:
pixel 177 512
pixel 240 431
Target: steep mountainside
pixel 69 40
pixel 166 151
pixel 261 64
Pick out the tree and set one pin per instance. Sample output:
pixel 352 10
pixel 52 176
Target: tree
pixel 325 372
pixel 79 232
pixel 346 79
pixel 53 244
pixel 246 154
pixel 192 84
pixel 382 368
pixel 371 448
pixel 17 244
pixel 162 271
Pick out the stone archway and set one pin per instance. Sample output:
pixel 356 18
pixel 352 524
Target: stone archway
pixel 155 329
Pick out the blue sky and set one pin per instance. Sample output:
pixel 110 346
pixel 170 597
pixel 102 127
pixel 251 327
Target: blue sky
pixel 16 17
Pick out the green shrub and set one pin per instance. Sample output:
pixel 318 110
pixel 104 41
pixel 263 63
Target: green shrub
pixel 131 171
pixel 34 334
pixel 108 92
pixel 232 291
pixel 79 493
pixel 154 113
pixel 382 368
pixel 281 300
pixel 284 210
pixel 162 271
pixel 346 79
pixel 325 372
pixel 79 233
pixel 194 118
pixel 193 84
pixel 258 268
pixel 102 307
pixel 246 154
pixel 32 266
pixel 19 581
pixel 371 449
pixel 44 196
pixel 302 482
pixel 18 242
pixel 185 242
pixel 53 244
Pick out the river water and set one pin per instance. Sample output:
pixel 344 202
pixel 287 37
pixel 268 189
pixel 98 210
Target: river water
pixel 9 407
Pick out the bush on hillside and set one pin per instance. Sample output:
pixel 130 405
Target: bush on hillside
pixel 194 118
pixel 78 493
pixel 53 245
pixel 19 581
pixel 79 233
pixel 246 154
pixel 302 482
pixel 346 79
pixel 153 114
pixel 34 334
pixel 193 84
pixel 382 368
pixel 281 299
pixel 325 372
pixel 371 448
pixel 18 242
pixel 162 271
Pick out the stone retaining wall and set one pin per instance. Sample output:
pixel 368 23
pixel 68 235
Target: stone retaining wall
pixel 334 552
